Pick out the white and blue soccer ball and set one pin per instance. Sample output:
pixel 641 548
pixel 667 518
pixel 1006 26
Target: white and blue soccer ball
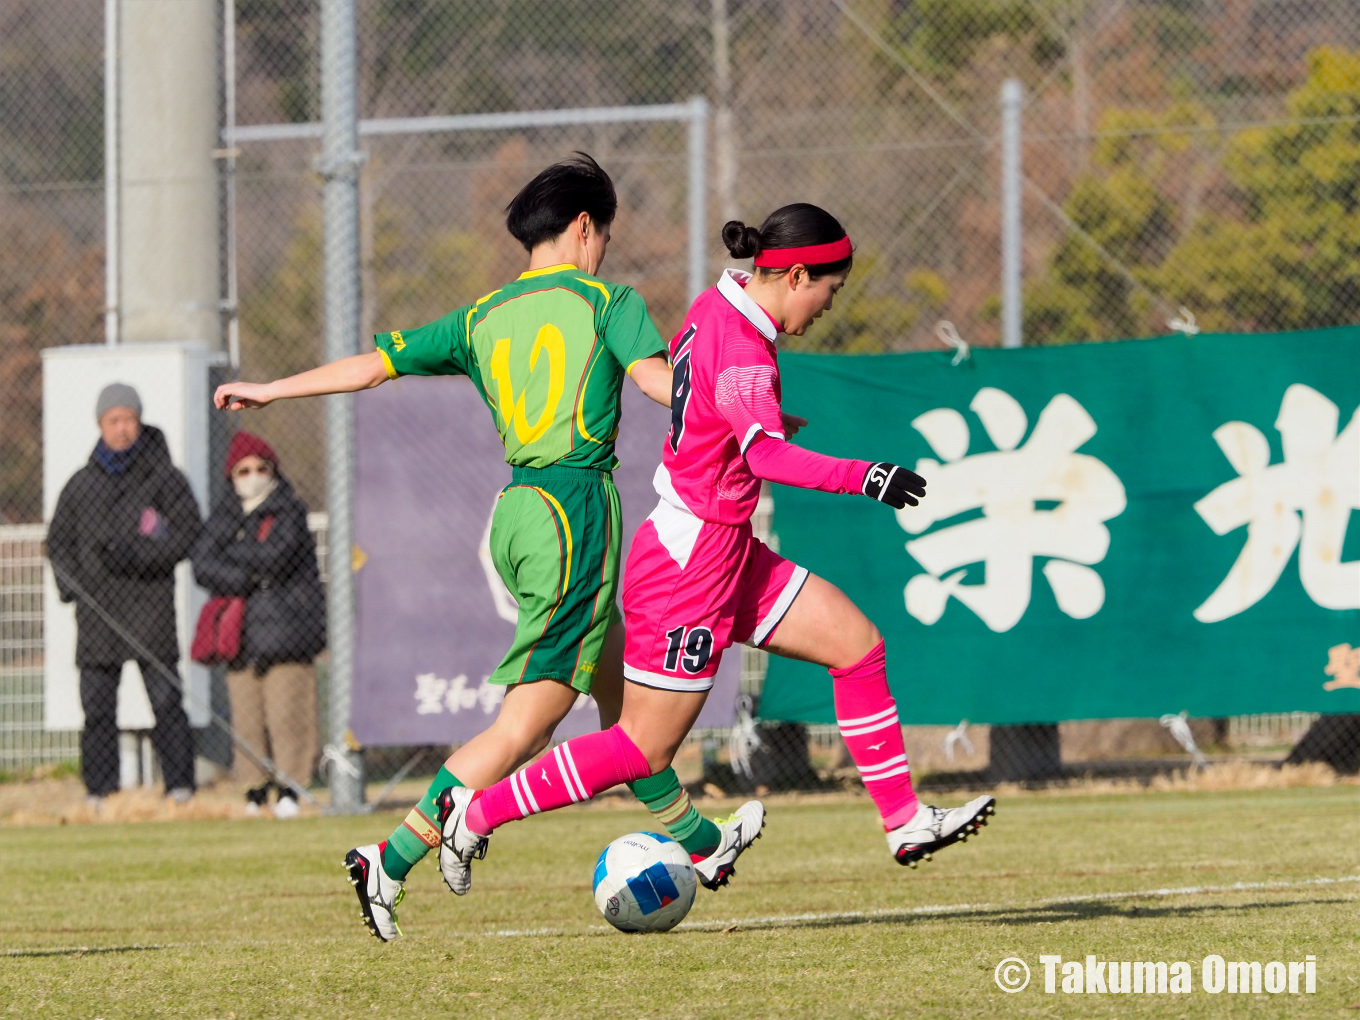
pixel 644 882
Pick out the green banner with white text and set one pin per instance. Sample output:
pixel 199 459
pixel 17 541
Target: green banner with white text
pixel 1110 530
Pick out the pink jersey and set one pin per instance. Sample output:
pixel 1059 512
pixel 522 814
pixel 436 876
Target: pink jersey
pixel 726 397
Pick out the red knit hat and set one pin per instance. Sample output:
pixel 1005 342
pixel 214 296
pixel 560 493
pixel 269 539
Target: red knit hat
pixel 247 444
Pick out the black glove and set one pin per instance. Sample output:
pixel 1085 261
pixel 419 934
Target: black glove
pixel 894 485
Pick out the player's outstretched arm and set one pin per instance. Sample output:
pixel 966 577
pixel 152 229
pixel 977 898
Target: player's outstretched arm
pixel 775 460
pixel 653 377
pixel 348 375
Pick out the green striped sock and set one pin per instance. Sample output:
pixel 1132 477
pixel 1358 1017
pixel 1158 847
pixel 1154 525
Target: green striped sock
pixel 419 833
pixel 669 803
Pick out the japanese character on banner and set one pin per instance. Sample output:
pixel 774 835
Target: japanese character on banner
pixel 434 695
pixel 1007 485
pixel 1305 502
pixel 430 694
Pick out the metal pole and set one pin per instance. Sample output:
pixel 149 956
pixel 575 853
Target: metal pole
pixel 698 196
pixel 1012 102
pixel 111 181
pixel 724 129
pixel 508 121
pixel 230 303
pixel 339 166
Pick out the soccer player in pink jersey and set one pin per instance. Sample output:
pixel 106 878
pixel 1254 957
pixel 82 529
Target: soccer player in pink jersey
pixel 697 580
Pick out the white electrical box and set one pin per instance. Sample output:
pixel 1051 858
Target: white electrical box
pixel 172 381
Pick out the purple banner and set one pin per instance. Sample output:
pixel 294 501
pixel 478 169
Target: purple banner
pixel 433 618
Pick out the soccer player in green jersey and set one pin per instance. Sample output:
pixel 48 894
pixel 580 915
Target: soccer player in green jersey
pixel 548 353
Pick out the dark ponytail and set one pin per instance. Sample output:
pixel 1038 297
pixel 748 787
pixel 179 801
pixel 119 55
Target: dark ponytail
pixel 792 226
pixel 742 241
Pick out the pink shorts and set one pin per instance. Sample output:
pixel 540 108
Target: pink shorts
pixel 692 589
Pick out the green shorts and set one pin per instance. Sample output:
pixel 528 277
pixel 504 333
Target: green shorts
pixel 555 542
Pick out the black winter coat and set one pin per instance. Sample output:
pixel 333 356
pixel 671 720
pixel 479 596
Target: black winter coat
pixel 94 542
pixel 269 557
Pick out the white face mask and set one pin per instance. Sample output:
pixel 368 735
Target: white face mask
pixel 252 485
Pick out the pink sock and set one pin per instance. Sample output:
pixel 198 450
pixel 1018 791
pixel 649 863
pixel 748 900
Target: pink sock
pixel 867 716
pixel 572 772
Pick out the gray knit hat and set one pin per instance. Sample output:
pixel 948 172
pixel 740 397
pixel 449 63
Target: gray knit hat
pixel 117 395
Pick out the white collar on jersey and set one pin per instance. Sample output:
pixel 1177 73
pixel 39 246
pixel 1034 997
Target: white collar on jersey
pixel 732 285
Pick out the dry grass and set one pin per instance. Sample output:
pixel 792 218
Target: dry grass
pixel 45 800
pixel 1218 777
pixel 1242 775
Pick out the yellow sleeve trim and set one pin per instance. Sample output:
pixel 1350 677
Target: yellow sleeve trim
pixel 658 354
pixel 387 364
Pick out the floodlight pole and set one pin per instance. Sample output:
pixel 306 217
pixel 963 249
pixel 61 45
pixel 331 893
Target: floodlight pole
pixel 339 166
pixel 231 310
pixel 1012 104
pixel 111 178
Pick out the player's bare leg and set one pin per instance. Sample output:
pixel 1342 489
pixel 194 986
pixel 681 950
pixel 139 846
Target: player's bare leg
pixel 524 726
pixel 825 627
pixel 529 715
pixel 658 722
pixel 703 839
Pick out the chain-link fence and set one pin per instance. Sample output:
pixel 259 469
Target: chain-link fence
pixel 1185 165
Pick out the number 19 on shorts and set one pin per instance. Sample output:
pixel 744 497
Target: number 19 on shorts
pixel 688 649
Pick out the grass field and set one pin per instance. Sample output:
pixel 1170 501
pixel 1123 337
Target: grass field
pixel 246 919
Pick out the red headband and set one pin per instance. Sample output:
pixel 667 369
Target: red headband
pixel 808 255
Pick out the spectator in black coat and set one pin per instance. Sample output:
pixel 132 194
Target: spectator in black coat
pixel 257 545
pixel 121 525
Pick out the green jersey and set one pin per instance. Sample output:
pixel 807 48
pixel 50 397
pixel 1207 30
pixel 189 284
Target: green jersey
pixel 548 353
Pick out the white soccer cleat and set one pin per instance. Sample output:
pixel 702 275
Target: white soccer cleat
pixel 287 807
pixel 933 828
pixel 459 846
pixel 738 832
pixel 379 894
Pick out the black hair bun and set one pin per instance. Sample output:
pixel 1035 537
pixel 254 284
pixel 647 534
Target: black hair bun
pixel 742 241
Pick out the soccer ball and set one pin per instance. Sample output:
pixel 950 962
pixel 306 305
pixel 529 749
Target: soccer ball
pixel 644 882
